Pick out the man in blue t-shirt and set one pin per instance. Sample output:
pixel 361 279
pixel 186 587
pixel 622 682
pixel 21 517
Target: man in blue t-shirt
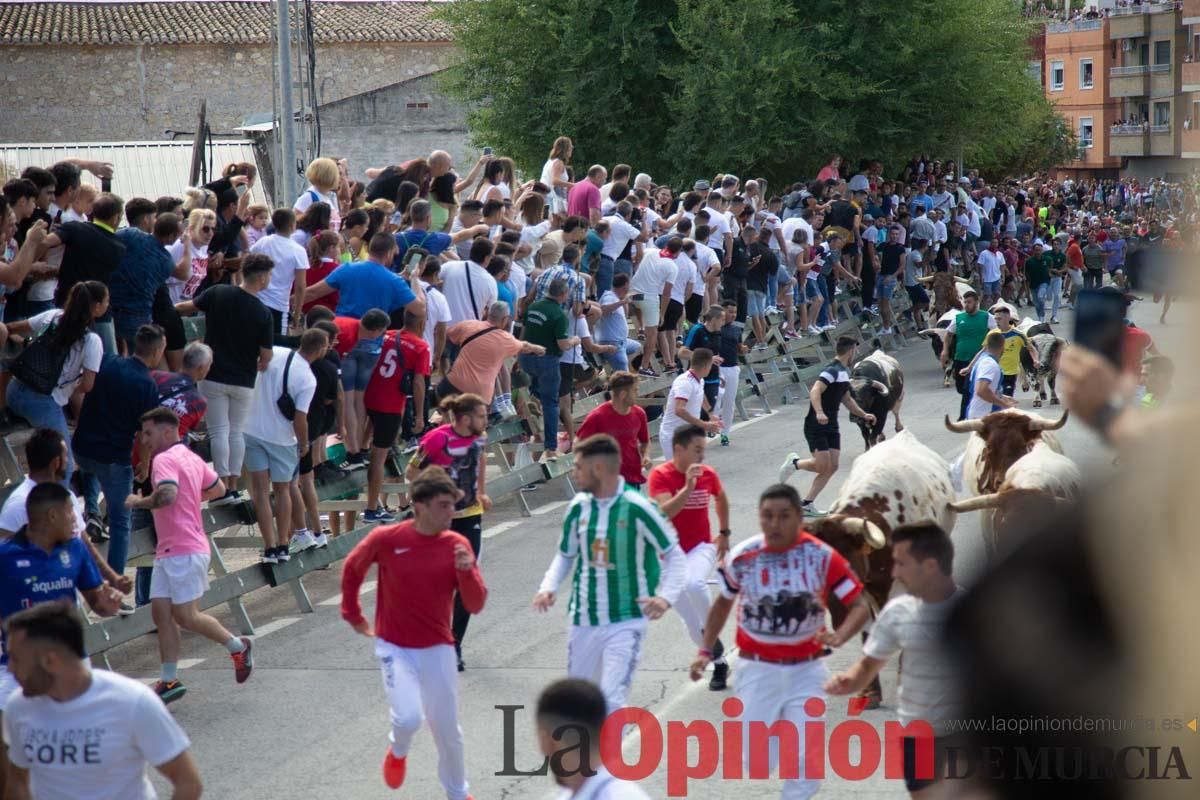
pixel 369 284
pixel 432 242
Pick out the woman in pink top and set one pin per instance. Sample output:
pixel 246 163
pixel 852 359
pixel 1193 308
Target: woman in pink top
pixel 830 172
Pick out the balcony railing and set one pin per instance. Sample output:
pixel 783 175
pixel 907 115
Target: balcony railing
pixel 1077 25
pixel 1160 128
pixel 1128 130
pixel 1136 69
pixel 1160 67
pixel 1144 8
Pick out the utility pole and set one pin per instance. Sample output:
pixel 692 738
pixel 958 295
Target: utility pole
pixel 286 171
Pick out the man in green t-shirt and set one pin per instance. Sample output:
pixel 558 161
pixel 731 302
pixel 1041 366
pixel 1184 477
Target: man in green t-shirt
pixel 964 338
pixel 1058 271
pixel 546 324
pixel 1037 276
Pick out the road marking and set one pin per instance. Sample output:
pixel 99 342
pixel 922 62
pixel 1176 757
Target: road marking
pixel 188 663
pixel 500 528
pixel 366 588
pixel 274 625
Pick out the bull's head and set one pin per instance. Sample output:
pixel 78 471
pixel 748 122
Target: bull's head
pixel 854 537
pixel 1008 436
pixel 866 392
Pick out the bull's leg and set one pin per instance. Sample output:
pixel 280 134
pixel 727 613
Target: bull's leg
pixel 896 411
pixel 1052 380
pixel 1024 379
pixel 948 376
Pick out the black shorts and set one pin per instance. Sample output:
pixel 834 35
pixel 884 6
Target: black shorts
pixel 917 295
pixel 385 428
pixel 693 308
pixel 822 437
pixel 911 781
pixel 1008 385
pixel 673 315
pixel 165 316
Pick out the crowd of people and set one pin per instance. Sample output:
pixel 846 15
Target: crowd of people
pixel 418 307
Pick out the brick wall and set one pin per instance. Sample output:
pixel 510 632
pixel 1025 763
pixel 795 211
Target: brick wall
pixel 78 94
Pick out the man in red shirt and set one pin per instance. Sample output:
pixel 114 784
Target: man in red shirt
pixel 683 487
pixel 583 200
pixel 402 370
pixel 625 421
pixel 782 580
pixel 421 565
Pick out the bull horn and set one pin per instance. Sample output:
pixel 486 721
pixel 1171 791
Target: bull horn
pixel 965 426
pixel 977 503
pixel 869 531
pixel 881 388
pixel 1043 424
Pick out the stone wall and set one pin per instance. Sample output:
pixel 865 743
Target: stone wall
pixel 120 93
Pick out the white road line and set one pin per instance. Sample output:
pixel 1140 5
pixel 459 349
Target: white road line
pixel 188 663
pixel 496 530
pixel 366 588
pixel 274 625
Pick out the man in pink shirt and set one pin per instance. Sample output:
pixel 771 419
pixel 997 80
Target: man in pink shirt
pixel 584 198
pixel 181 480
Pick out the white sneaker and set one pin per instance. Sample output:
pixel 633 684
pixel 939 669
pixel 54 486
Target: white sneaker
pixel 302 541
pixel 321 540
pixel 886 331
pixel 788 467
pixel 829 328
pixel 814 330
pixel 507 410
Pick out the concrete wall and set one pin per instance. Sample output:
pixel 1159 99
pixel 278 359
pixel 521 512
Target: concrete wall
pixel 79 94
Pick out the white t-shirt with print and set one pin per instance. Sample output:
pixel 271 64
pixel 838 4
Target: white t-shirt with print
pixel 185 289
pixel 266 422
pixel 97 745
pixel 310 195
pixel 86 353
pixel 290 259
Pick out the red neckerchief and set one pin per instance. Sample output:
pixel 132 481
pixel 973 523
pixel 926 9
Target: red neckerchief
pixel 666 254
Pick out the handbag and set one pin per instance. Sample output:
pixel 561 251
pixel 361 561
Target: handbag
pixel 40 364
pixel 287 406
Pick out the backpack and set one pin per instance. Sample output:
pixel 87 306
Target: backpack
pixel 40 364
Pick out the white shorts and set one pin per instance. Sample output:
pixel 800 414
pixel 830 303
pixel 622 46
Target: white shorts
pixel 8 684
pixel 651 306
pixel 182 579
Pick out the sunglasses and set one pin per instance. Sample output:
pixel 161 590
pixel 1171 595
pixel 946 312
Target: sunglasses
pixel 207 229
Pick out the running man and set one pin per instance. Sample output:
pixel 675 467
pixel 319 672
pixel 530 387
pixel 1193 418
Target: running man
pixel 624 420
pixel 181 481
pixel 686 400
pixel 42 563
pixel 830 390
pixel 911 625
pixel 422 567
pixel 1014 342
pixel 782 580
pixel 629 568
pixel 683 487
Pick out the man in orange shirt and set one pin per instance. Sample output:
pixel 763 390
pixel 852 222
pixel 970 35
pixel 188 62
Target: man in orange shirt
pixel 483 347
pixel 1074 269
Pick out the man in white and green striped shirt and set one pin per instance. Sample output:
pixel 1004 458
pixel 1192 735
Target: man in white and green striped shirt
pixel 628 568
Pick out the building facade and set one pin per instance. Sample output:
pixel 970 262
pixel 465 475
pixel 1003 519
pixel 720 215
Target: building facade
pixel 1127 84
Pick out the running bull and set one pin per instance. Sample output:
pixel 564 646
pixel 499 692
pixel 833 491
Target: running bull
pixel 898 482
pixel 937 340
pixel 1015 468
pixel 1049 348
pixel 877 385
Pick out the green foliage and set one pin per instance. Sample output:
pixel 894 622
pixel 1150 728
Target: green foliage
pixel 686 88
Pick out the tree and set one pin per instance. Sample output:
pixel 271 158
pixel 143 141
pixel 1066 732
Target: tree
pixel 685 88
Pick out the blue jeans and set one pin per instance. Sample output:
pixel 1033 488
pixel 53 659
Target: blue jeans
pixel 604 275
pixel 1039 300
pixel 1056 285
pixel 138 519
pixel 543 370
pixel 626 349
pixel 772 288
pixel 107 332
pixel 116 480
pixel 40 411
pixel 623 266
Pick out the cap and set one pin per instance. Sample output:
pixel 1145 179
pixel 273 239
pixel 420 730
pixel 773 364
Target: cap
pixel 868 218
pixel 859 183
pixel 964 179
pixel 701 186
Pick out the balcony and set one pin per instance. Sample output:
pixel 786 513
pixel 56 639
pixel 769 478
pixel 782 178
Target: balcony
pixel 1129 140
pixel 1162 140
pixel 1191 76
pixel 1127 25
pixel 1074 26
pixel 1129 81
pixel 1189 143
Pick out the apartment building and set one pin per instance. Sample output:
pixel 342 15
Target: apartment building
pixel 1136 66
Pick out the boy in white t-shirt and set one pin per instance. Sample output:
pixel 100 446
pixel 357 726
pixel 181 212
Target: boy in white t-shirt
pixel 686 400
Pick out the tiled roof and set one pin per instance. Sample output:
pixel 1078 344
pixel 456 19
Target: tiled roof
pixel 211 22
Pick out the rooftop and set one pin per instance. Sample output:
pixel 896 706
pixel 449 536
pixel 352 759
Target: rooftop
pixel 212 22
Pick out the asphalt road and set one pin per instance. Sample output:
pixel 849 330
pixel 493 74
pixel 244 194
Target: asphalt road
pixel 312 722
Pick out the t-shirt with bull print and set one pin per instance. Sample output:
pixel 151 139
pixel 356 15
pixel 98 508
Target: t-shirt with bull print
pixel 782 594
pixel 836 378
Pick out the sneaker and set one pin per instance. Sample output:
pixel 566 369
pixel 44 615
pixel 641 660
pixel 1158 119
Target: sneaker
pixel 510 410
pixel 1054 320
pixel 811 510
pixel 328 472
pixel 243 662
pixel 814 330
pixel 268 556
pixel 229 498
pixel 169 691
pixel 788 467
pixel 378 515
pixel 831 326
pixel 321 539
pixel 529 487
pixel 96 530
pixel 548 456
pixel 353 461
pixel 724 440
pixel 458 655
pixel 720 677
pixel 126 609
pixel 304 540
pixel 282 554
pixel 886 331
pixel 646 372
pixel 394 769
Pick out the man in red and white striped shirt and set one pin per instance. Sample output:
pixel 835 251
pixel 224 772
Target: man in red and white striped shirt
pixel 782 580
pixel 421 565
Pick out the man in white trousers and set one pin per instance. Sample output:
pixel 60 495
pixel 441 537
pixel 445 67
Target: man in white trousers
pixel 421 564
pixel 629 569
pixel 731 371
pixel 782 580
pixel 684 487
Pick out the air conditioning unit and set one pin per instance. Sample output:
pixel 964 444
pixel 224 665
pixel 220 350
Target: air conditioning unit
pixel 1127 45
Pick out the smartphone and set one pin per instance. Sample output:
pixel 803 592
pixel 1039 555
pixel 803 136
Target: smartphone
pixel 241 189
pixel 1100 323
pixel 487 151
pixel 412 264
pixel 106 184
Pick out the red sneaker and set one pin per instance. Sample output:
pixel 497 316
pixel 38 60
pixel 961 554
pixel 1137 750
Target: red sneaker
pixel 243 662
pixel 394 769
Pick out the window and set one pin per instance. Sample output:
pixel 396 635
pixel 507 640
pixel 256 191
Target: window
pixel 1085 131
pixel 1085 73
pixel 1058 75
pixel 1162 52
pixel 1162 113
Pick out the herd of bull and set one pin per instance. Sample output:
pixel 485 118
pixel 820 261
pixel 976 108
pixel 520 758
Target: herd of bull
pixel 1013 470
